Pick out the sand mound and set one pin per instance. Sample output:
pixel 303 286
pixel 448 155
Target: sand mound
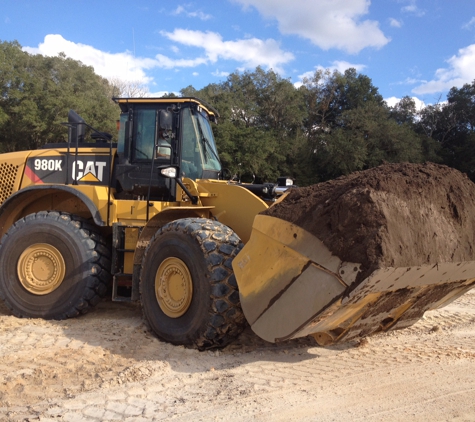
pixel 394 215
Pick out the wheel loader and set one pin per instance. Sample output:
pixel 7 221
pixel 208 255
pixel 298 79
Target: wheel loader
pixel 152 218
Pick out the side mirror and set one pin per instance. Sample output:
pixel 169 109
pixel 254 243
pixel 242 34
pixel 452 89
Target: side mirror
pixel 165 120
pixel 164 149
pixel 77 127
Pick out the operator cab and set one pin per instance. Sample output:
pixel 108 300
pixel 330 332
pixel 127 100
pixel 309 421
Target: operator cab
pixel 156 133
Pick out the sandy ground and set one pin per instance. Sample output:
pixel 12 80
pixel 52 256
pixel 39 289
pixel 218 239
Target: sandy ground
pixel 106 366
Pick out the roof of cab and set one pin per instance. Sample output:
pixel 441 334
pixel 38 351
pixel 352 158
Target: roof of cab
pixel 123 102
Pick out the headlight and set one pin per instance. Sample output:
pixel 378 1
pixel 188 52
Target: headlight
pixel 169 172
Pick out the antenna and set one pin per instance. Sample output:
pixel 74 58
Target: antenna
pixel 133 39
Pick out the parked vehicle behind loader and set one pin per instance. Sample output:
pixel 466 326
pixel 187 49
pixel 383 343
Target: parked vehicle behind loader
pixel 152 218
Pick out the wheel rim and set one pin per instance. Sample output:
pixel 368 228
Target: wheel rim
pixel 173 287
pixel 41 268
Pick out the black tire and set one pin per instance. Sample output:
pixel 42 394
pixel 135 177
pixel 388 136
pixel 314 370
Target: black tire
pixel 214 316
pixel 85 263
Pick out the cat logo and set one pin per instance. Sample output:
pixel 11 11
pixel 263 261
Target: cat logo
pixel 89 171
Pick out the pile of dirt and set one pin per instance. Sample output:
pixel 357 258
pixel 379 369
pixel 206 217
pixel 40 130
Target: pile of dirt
pixel 394 215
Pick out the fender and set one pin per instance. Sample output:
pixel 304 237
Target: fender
pixel 11 209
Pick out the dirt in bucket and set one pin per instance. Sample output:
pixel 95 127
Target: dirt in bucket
pixel 394 215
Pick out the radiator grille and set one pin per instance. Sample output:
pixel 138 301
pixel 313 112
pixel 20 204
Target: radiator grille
pixel 8 173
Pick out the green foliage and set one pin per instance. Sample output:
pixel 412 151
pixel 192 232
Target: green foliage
pixel 37 93
pixel 457 123
pixel 350 128
pixel 334 124
pixel 364 137
pixel 260 126
pixel 404 112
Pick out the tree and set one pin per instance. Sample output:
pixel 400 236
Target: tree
pixel 404 111
pixel 453 126
pixel 366 137
pixel 260 126
pixel 37 93
pixel 349 127
pixel 329 94
pixel 463 102
pixel 128 89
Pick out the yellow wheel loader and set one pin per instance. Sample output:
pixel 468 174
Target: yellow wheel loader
pixel 152 219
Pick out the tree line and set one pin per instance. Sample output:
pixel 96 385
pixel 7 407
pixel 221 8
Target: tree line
pixel 333 124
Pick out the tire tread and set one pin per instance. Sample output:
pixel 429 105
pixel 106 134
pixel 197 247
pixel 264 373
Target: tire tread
pixel 219 245
pixel 98 255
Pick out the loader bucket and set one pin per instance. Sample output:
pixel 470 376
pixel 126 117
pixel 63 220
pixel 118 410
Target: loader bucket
pixel 292 286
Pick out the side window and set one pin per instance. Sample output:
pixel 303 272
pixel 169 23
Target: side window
pixel 121 141
pixel 190 154
pixel 144 134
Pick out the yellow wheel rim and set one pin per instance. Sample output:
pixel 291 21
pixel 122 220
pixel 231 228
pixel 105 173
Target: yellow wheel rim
pixel 41 268
pixel 173 287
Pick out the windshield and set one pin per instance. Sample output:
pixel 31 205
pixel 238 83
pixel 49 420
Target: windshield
pixel 199 153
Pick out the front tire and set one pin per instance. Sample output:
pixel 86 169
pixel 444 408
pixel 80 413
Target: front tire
pixel 53 265
pixel 188 290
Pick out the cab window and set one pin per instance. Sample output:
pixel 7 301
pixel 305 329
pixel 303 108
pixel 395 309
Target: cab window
pixel 144 134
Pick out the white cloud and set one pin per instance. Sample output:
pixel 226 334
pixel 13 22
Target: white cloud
pixel 392 101
pixel 250 52
pixel 412 8
pixel 342 65
pixel 326 23
pixel 109 65
pixel 168 63
pixel 196 14
pixel 395 23
pixel 470 24
pixel 339 65
pixel 461 70
pixel 410 81
pixel 306 75
pixel 220 74
pixel 419 103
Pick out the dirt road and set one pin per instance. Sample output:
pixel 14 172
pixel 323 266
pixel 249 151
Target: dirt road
pixel 106 366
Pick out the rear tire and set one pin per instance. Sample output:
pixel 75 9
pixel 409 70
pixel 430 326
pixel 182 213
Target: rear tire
pixel 188 290
pixel 53 265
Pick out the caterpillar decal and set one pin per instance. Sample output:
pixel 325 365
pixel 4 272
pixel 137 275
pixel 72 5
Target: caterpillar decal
pixel 84 169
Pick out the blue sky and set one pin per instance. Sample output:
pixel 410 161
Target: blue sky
pixel 419 48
